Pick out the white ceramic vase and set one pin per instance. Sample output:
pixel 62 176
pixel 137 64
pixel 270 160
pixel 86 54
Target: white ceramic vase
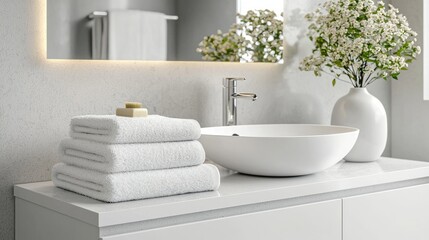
pixel 362 110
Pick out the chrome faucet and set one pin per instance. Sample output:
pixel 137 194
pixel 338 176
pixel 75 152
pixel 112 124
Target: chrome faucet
pixel 230 96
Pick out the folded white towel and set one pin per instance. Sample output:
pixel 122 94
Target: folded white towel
pixel 124 186
pixel 130 157
pixel 114 129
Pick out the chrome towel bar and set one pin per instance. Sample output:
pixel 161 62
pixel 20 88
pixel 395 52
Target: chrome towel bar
pixel 96 14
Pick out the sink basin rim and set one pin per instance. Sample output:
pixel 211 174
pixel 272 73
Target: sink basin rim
pixel 348 130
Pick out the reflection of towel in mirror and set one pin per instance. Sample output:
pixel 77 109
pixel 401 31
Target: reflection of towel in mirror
pixel 99 38
pixel 137 35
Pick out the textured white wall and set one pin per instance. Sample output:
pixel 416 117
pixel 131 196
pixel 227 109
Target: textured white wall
pixel 39 96
pixel 410 113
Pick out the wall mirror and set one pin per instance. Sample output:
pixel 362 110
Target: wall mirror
pixel 425 49
pixel 166 30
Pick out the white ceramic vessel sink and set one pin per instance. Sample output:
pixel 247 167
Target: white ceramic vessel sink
pixel 278 149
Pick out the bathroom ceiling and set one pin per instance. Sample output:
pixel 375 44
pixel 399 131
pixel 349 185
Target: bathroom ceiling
pixel 166 30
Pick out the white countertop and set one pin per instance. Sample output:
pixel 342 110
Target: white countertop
pixel 235 190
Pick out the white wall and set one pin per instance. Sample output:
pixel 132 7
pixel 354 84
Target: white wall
pixel 410 113
pixel 38 96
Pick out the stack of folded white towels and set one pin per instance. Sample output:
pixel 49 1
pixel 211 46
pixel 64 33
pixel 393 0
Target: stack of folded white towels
pixel 114 159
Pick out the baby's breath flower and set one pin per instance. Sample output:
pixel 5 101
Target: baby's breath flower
pixel 257 37
pixel 361 40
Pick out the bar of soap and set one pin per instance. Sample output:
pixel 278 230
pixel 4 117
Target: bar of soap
pixel 131 112
pixel 133 105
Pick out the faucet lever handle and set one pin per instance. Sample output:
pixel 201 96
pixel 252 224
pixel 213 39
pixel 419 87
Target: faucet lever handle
pixel 229 80
pixel 234 78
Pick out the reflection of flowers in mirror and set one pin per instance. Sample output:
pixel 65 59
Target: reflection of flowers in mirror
pixel 360 40
pixel 257 37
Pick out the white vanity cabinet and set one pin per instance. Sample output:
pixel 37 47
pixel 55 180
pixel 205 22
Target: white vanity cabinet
pixel 398 214
pixel 388 199
pixel 324 220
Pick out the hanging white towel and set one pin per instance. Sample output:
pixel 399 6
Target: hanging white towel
pixel 99 38
pixel 137 35
pixel 150 129
pixel 126 186
pixel 112 158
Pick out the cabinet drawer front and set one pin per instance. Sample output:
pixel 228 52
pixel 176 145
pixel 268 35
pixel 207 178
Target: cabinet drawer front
pixel 394 215
pixel 305 222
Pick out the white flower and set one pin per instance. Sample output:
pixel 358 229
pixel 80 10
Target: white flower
pixel 257 37
pixel 359 39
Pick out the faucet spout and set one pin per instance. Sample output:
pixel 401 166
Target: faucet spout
pixel 252 96
pixel 230 96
